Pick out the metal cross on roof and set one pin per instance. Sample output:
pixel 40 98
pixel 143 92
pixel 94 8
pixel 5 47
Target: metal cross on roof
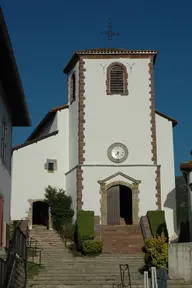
pixel 109 33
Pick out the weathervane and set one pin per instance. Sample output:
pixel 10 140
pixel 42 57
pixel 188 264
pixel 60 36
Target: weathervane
pixel 110 32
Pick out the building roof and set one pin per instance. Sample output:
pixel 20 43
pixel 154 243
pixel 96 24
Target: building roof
pixel 46 118
pixel 107 51
pixel 186 166
pixel 174 122
pixel 35 140
pixel 10 80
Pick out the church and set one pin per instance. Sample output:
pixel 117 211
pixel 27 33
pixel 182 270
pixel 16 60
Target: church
pixel 108 147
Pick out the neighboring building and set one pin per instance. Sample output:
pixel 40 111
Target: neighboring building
pixel 186 169
pixel 182 208
pixel 108 148
pixel 13 113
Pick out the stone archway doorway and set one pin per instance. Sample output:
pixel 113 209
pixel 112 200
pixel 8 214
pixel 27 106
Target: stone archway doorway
pixel 119 205
pixel 127 210
pixel 40 213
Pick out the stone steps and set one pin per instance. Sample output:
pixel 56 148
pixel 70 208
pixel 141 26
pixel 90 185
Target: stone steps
pixel 80 286
pixel 141 285
pixel 62 269
pixel 95 283
pixel 122 239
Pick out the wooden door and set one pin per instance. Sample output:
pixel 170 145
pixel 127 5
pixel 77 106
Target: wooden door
pixel 113 205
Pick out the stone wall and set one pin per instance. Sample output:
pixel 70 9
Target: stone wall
pixel 180 261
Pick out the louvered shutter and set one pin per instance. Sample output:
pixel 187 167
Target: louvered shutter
pixel 117 80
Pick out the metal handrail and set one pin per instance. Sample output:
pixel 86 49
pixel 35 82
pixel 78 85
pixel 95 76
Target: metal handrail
pixel 35 249
pixel 123 269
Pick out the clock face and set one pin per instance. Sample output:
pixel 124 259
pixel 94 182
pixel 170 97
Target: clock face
pixel 117 152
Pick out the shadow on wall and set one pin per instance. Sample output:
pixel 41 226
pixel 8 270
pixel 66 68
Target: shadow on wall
pixel 180 209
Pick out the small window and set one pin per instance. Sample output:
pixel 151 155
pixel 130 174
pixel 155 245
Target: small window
pixel 117 80
pixel 51 167
pixel 3 141
pixel 72 88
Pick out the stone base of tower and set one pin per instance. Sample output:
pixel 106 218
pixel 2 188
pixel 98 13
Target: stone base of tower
pixel 120 239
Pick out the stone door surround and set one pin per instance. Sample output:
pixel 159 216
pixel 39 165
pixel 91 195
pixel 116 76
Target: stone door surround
pixel 30 213
pixel 135 195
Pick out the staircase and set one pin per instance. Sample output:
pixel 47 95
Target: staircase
pixel 63 270
pixel 120 239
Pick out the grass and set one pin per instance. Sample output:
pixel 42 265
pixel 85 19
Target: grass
pixel 32 269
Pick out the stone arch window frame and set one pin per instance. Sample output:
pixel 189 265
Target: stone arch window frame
pixel 30 214
pixel 72 81
pixel 135 199
pixel 125 75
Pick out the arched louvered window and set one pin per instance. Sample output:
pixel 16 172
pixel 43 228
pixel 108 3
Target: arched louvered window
pixel 117 79
pixel 72 88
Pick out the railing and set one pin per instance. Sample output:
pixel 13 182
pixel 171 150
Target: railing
pixel 16 256
pixel 2 271
pixel 32 246
pixel 158 278
pixel 18 246
pixel 124 269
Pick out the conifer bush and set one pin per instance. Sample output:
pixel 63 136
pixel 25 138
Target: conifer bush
pixel 60 207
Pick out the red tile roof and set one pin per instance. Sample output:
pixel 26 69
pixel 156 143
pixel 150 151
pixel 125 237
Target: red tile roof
pixel 186 166
pixel 106 51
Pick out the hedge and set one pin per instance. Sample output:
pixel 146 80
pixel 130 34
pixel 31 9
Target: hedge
pixel 84 227
pixel 157 223
pixel 92 247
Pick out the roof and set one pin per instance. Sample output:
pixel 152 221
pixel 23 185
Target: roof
pixel 107 51
pixel 46 118
pixel 10 80
pixel 27 143
pixel 174 122
pixel 186 166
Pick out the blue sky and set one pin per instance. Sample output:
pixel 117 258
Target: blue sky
pixel 44 35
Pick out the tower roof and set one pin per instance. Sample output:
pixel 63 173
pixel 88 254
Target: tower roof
pixel 108 51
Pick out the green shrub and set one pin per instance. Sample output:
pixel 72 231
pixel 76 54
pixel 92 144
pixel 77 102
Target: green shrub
pixel 84 227
pixel 92 247
pixel 157 252
pixel 60 205
pixel 157 223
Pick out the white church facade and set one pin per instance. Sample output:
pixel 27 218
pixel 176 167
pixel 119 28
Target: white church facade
pixel 109 148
